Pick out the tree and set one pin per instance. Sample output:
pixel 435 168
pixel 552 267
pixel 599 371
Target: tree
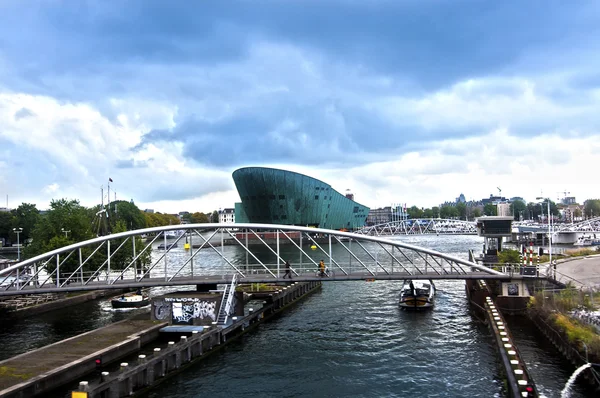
pixel 6 226
pixel 476 212
pixel 461 208
pixel 199 218
pixel 518 209
pixel 435 211
pixel 214 217
pixel 159 219
pixel 591 208
pixel 428 213
pixel 490 210
pixel 26 216
pixel 64 215
pixel 414 212
pixel 127 212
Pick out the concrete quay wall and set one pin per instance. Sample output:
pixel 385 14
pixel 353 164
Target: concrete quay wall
pixel 518 381
pixel 52 378
pixel 186 349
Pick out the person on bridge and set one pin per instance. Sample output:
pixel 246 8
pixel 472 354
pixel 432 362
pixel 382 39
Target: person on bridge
pixel 322 267
pixel 288 270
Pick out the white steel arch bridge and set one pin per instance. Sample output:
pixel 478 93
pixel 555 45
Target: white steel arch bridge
pixel 421 226
pixel 229 253
pixel 591 225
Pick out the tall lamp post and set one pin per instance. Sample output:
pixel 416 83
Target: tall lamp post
pixel 65 232
pixel 549 228
pixel 18 231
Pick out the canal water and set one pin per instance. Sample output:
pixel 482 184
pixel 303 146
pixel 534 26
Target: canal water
pixel 349 339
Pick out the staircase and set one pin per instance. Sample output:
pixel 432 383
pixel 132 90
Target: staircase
pixel 227 302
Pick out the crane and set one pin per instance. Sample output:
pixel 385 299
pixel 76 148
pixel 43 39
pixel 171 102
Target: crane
pixel 499 192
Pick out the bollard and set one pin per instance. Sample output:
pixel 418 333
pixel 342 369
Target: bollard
pixel 157 350
pixel 83 386
pixel 234 318
pixel 183 339
pixel 251 310
pixel 514 362
pixel 171 344
pixel 195 331
pixel 104 376
pixel 124 365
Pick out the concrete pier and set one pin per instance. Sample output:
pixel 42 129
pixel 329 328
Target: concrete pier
pixel 183 350
pixel 40 371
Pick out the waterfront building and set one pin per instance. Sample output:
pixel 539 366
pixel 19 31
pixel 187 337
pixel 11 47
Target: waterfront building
pixel 274 196
pixel 226 216
pixel 379 216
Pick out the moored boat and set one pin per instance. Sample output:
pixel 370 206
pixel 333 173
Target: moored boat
pixel 130 300
pixel 417 295
pixel 168 246
pixel 587 240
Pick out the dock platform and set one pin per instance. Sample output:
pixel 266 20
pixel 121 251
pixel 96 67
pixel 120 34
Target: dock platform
pixel 57 364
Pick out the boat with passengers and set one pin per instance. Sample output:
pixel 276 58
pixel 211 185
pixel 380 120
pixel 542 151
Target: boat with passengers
pixel 417 295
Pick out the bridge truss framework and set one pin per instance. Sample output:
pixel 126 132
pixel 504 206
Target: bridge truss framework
pixel 421 226
pixel 219 252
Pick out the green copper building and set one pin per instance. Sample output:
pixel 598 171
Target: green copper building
pixel 273 196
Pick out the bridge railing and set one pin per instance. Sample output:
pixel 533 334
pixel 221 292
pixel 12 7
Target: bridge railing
pixel 220 251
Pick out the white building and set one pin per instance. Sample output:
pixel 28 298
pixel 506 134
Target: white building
pixel 503 209
pixel 226 216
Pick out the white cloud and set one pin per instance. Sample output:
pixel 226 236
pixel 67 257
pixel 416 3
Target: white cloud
pixel 483 102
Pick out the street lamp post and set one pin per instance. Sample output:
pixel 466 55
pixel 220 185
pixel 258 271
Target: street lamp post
pixel 65 232
pixel 18 231
pixel 549 230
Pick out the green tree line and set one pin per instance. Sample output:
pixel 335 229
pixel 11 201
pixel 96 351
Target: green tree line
pixel 519 209
pixel 67 222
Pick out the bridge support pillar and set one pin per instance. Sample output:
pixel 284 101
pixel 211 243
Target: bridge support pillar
pixel 239 304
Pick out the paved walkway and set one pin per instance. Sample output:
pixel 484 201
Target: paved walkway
pixel 583 271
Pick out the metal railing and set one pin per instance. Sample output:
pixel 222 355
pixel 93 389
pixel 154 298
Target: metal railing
pixel 219 251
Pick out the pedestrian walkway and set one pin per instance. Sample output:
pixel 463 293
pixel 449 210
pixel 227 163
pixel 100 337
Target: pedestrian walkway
pixel 583 272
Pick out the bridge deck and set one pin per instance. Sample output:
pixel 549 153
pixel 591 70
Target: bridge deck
pixel 69 354
pixel 254 278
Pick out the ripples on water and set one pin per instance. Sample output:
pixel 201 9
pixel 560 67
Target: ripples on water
pixel 351 339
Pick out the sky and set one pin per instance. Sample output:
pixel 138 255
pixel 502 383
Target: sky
pixel 400 101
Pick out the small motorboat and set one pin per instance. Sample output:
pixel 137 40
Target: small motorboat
pixel 417 295
pixel 168 246
pixel 130 300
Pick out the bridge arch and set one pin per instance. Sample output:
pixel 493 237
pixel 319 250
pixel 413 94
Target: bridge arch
pixel 114 261
pixel 421 226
